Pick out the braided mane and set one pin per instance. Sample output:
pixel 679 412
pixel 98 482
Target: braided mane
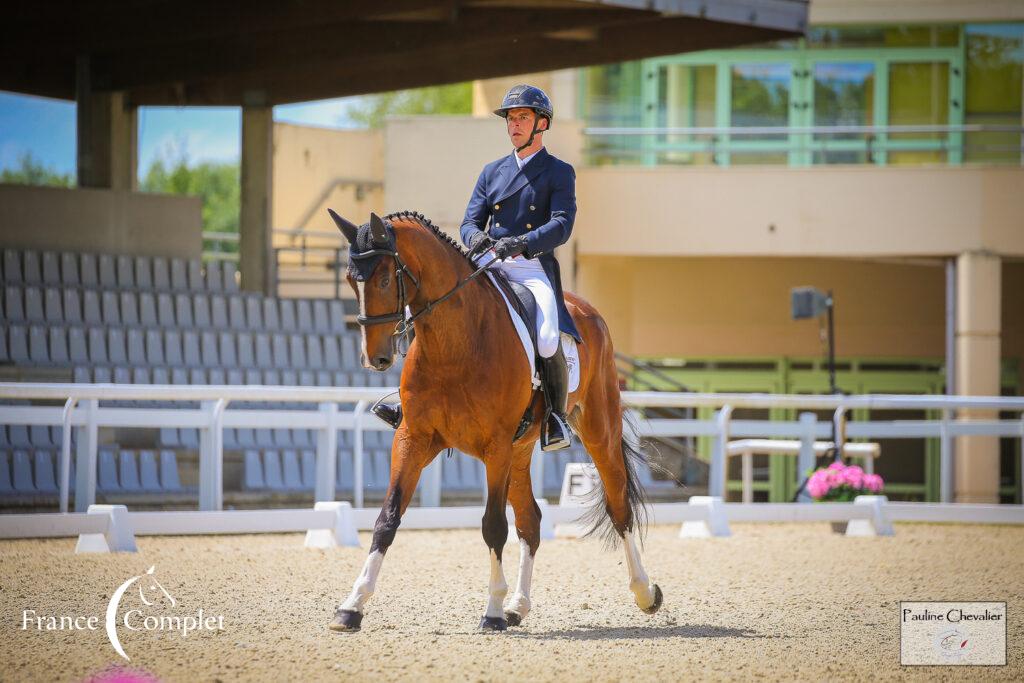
pixel 438 232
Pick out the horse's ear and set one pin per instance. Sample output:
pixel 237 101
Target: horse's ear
pixel 378 231
pixel 347 229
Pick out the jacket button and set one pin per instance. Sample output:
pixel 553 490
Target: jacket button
pixel 529 227
pixel 497 206
pixel 497 225
pixel 532 207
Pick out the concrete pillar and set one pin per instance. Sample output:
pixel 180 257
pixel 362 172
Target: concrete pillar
pixel 978 313
pixel 256 257
pixel 107 135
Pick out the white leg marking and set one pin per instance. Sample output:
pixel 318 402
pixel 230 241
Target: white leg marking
pixel 498 589
pixel 361 289
pixel 641 586
pixel 366 583
pixel 520 600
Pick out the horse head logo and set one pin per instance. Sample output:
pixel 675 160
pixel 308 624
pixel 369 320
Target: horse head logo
pixel 153 588
pixel 149 587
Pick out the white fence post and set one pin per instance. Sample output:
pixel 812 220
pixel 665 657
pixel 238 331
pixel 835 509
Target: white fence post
pixel 118 537
pixel 327 454
pixel 88 443
pixel 945 460
pixel 341 532
pixel 719 456
pixel 878 525
pixel 805 460
pixel 65 454
pixel 357 453
pixel 714 523
pixel 211 457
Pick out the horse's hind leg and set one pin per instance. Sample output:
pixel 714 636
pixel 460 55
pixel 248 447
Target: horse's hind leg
pixel 408 458
pixel 495 531
pixel 527 513
pixel 600 427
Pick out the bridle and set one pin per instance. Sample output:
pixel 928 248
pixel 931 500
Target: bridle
pixel 401 338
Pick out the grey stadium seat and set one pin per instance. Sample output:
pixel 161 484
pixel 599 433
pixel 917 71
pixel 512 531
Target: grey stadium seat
pixel 190 348
pixel 72 307
pixel 54 313
pixel 308 464
pixel 279 351
pixel 12 266
pixel 38 348
pixel 106 479
pixel 34 305
pixel 143 273
pixel 107 271
pixel 6 485
pixel 169 480
pixel 291 470
pixel 32 273
pixel 252 472
pixel 125 272
pixel 147 309
pixel 21 470
pixel 304 314
pixel 172 348
pixel 179 277
pixel 136 347
pixel 208 350
pixel 218 312
pixel 195 275
pixel 273 477
pixel 165 310
pixel 214 279
pixel 161 275
pixel 226 344
pixel 91 314
pixel 236 313
pixel 287 309
pixel 321 318
pixel 89 270
pixel 51 268
pixel 77 349
pixel 69 269
pixel 183 310
pixel 111 314
pixel 128 469
pixel 17 344
pixel 149 472
pixel 154 347
pixel 117 353
pixel 270 319
pixel 14 304
pixel 129 309
pixel 59 346
pixel 45 474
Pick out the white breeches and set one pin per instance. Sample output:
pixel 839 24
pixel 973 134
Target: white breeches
pixel 530 273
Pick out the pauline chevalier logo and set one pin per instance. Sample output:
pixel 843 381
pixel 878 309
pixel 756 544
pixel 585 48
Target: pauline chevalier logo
pixel 953 633
pixel 150 615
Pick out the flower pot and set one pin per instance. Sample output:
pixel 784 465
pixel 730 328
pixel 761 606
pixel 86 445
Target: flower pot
pixel 839 527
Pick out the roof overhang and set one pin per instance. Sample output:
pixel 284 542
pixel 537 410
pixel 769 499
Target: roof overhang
pixel 207 52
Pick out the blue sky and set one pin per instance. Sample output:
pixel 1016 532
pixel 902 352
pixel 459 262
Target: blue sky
pixel 46 129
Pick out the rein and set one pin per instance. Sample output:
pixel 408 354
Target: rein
pixel 402 336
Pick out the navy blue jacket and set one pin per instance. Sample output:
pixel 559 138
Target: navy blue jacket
pixel 537 202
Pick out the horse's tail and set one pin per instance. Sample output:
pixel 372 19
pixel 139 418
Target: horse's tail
pixel 597 517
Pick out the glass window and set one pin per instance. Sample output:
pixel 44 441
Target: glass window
pixel 995 53
pixel 946 35
pixel 686 99
pixel 613 99
pixel 844 95
pixel 918 96
pixel 760 98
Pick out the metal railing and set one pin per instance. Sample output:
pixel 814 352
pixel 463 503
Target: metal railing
pixel 220 246
pixel 82 409
pixel 801 144
pixel 310 257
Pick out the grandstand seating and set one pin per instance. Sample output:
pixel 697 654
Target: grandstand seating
pixel 140 320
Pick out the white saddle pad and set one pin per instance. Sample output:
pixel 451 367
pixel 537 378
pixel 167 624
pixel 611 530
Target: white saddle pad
pixel 572 354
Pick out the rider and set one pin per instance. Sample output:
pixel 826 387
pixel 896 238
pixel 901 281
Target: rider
pixel 528 198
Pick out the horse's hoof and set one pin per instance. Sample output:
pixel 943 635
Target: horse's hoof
pixel 346 621
pixel 513 618
pixel 656 605
pixel 493 624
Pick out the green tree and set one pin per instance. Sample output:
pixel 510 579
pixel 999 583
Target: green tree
pixel 371 110
pixel 31 171
pixel 217 184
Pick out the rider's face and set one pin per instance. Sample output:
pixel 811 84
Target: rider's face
pixel 520 123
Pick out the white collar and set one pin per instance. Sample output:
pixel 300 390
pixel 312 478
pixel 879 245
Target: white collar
pixel 523 162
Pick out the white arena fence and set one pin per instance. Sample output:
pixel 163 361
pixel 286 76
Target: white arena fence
pixel 80 406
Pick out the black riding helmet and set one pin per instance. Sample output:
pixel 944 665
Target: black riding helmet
pixel 528 97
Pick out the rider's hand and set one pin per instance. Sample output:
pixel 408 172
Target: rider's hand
pixel 480 242
pixel 509 246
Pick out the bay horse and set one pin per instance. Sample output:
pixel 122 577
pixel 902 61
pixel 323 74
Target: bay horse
pixel 466 385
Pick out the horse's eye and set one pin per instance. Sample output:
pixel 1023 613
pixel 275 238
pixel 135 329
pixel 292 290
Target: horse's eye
pixel 384 281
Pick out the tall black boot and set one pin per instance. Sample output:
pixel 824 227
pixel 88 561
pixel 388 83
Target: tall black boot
pixel 392 414
pixel 555 434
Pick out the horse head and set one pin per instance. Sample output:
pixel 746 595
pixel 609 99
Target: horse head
pixel 150 589
pixel 379 279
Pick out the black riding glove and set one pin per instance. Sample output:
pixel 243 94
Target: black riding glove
pixel 509 246
pixel 480 242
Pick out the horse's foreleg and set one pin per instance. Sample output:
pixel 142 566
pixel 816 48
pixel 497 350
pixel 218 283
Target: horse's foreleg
pixel 407 461
pixel 495 531
pixel 528 528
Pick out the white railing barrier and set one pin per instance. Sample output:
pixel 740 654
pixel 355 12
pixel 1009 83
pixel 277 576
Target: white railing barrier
pixel 82 411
